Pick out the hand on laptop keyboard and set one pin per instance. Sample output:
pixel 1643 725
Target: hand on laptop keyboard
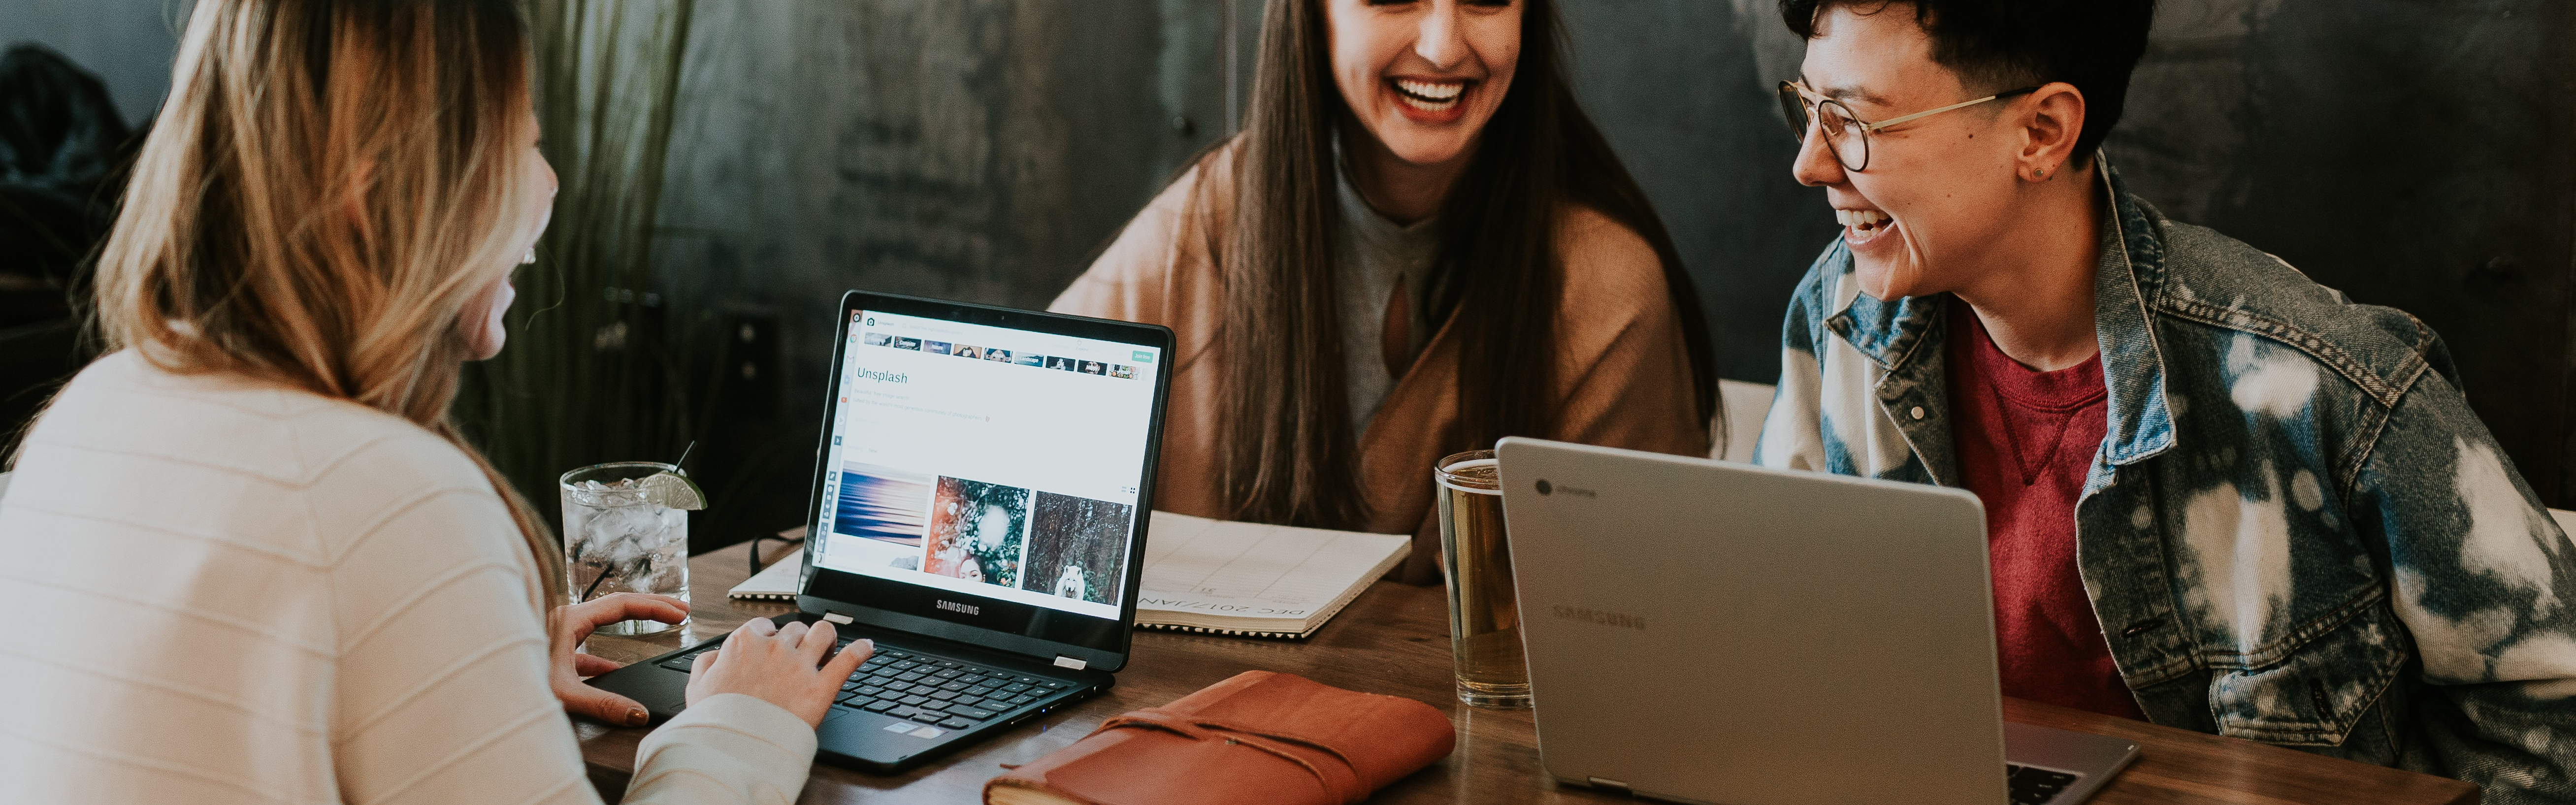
pixel 778 665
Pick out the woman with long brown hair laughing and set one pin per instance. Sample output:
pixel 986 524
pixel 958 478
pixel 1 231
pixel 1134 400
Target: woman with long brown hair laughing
pixel 1418 245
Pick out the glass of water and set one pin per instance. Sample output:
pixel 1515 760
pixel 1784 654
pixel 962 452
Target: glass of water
pixel 616 539
pixel 1484 617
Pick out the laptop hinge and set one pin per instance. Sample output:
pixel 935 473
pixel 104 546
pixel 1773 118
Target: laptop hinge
pixel 1601 783
pixel 1062 661
pixel 836 617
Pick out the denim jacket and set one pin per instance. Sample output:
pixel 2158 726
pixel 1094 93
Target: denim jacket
pixel 2294 530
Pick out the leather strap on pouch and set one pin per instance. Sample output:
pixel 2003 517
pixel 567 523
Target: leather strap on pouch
pixel 1338 778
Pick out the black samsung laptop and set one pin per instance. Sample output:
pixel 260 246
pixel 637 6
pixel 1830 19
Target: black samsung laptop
pixel 979 510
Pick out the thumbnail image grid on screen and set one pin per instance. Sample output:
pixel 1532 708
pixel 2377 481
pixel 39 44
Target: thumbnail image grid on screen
pixel 1008 537
pixel 901 502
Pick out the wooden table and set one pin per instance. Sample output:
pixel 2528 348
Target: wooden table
pixel 1394 640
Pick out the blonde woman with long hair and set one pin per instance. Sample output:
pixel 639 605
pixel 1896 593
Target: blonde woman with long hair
pixel 251 559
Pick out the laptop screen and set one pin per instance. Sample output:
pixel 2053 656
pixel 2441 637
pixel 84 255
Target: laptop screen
pixel 991 463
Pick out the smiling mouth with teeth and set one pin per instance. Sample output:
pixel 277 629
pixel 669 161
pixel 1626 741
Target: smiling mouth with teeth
pixel 1862 224
pixel 1429 96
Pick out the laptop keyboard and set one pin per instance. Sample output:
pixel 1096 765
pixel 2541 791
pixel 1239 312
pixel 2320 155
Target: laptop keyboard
pixel 2034 786
pixel 930 689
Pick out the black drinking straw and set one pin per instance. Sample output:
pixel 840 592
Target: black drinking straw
pixel 604 573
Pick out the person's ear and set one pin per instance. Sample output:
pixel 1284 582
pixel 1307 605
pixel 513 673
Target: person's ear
pixel 2050 129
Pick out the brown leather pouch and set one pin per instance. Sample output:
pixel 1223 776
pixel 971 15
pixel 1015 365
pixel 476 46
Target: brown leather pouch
pixel 1259 737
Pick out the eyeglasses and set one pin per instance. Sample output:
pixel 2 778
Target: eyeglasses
pixel 1845 134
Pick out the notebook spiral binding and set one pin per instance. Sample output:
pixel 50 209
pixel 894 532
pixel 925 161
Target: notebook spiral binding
pixel 1168 627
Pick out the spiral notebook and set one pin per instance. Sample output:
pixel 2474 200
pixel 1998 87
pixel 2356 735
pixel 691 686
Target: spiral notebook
pixel 1224 577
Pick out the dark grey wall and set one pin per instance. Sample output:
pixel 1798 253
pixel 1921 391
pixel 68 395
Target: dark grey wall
pixel 967 149
pixel 128 43
pixel 2413 154
pixel 1683 90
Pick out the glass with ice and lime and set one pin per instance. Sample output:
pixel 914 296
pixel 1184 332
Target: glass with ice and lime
pixel 626 528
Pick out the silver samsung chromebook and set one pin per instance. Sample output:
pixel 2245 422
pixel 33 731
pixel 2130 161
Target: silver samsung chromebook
pixel 1701 631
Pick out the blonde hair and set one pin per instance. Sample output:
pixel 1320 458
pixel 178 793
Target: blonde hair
pixel 327 188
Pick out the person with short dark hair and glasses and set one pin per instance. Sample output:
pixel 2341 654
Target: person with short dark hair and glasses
pixel 2218 496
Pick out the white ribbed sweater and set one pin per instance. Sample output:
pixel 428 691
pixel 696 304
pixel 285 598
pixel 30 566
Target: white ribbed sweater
pixel 227 592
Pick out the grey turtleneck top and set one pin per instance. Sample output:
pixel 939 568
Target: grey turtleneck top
pixel 1376 256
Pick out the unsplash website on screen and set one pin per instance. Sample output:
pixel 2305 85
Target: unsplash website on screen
pixel 988 461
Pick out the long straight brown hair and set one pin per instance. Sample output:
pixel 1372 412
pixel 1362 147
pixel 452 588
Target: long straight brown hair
pixel 1291 456
pixel 329 184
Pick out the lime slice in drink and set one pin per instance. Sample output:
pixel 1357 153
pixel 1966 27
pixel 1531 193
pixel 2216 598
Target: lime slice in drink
pixel 673 491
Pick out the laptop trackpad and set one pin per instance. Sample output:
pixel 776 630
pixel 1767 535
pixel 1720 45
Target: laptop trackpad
pixel 662 691
pixel 2092 758
pixel 876 738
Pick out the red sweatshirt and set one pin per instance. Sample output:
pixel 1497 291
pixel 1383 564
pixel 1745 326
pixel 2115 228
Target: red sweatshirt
pixel 2024 440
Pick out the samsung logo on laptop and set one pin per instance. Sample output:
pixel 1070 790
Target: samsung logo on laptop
pixel 953 606
pixel 1601 616
pixel 1546 488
